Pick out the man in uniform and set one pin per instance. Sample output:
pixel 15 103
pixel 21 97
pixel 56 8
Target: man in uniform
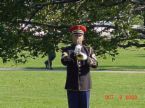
pixel 78 59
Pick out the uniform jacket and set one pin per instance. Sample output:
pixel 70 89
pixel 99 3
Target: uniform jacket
pixel 78 72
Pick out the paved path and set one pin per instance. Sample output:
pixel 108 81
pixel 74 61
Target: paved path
pixel 23 69
pixel 60 70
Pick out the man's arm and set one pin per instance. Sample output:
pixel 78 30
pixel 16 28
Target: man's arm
pixel 65 58
pixel 92 60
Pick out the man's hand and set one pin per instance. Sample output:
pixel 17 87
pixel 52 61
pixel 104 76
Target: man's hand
pixel 66 59
pixel 64 54
pixel 79 55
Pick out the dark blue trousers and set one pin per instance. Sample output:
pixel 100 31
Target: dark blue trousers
pixel 78 99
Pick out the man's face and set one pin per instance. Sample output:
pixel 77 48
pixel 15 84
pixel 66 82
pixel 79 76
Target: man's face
pixel 78 38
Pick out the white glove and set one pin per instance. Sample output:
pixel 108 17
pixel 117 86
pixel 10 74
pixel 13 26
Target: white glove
pixel 80 55
pixel 78 49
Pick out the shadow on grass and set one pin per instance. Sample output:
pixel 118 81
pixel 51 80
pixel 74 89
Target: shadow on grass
pixel 140 55
pixel 121 67
pixel 61 68
pixel 99 68
pixel 43 68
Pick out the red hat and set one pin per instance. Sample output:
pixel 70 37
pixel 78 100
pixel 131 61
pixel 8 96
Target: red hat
pixel 78 29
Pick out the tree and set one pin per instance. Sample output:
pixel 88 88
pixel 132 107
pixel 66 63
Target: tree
pixel 21 20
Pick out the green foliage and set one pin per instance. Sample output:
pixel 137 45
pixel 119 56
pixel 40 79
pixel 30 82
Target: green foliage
pixel 55 19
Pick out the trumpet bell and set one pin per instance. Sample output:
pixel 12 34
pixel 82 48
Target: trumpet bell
pixel 81 56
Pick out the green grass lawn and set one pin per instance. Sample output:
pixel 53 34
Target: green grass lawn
pixel 28 89
pixel 128 59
